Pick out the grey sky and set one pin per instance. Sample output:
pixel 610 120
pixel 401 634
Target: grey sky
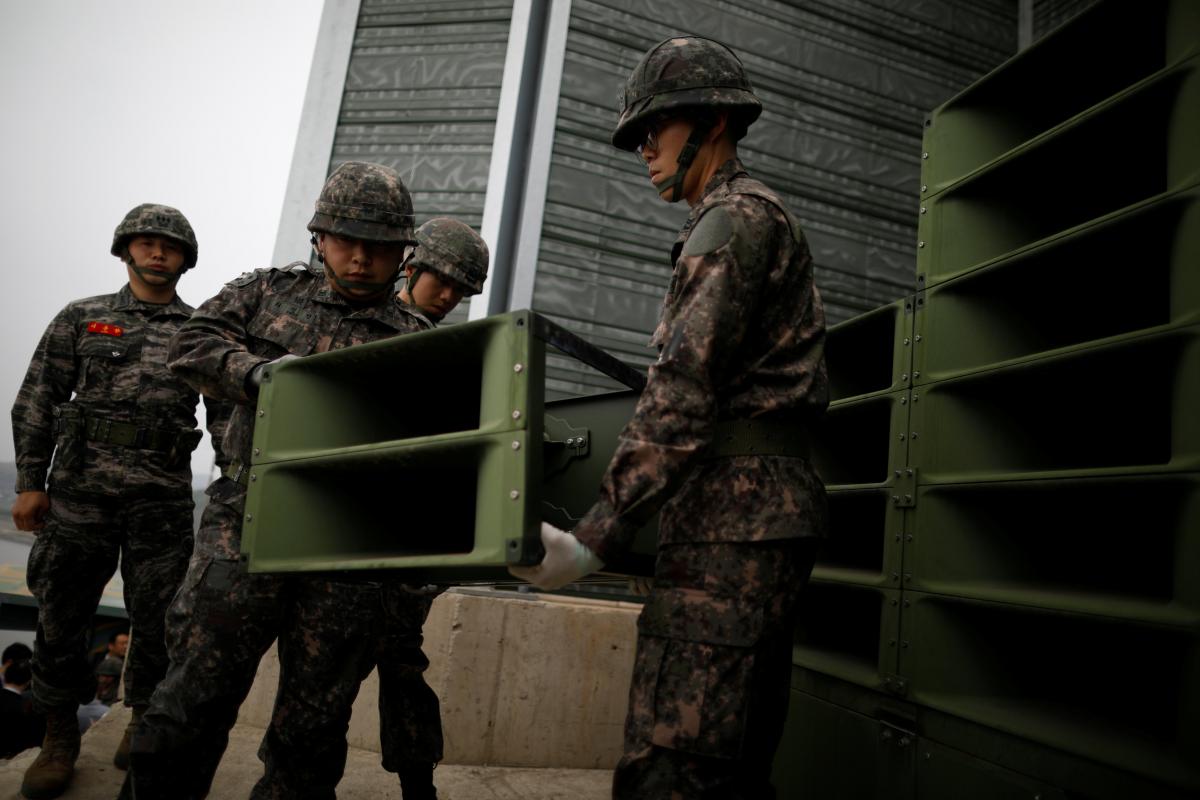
pixel 110 104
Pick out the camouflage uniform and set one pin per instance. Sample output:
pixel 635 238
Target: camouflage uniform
pixel 410 723
pixel 131 500
pixel 224 619
pixel 741 338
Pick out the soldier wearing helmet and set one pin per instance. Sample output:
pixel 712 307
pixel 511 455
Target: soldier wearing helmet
pixel 121 428
pixel 450 262
pixel 223 619
pixel 719 442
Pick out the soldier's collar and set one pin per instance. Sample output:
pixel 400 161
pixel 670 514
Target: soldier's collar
pixel 127 300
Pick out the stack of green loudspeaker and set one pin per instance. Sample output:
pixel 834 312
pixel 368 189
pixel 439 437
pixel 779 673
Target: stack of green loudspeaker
pixel 1009 606
pixel 434 453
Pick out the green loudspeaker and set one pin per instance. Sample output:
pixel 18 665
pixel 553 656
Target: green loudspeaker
pixel 434 453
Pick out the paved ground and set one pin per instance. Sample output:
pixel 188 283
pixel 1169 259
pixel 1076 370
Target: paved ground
pixel 97 779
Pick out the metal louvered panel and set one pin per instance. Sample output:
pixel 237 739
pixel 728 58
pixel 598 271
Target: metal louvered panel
pixel 421 95
pixel 845 87
pixel 1049 14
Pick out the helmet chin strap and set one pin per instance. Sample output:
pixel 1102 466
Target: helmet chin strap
pixel 375 287
pixel 143 272
pixel 684 162
pixel 372 286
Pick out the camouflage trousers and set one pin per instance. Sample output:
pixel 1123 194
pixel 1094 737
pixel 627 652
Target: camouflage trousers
pixel 220 625
pixel 709 694
pixel 72 559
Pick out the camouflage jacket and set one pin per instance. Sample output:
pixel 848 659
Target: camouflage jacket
pixel 741 336
pixel 110 352
pixel 263 315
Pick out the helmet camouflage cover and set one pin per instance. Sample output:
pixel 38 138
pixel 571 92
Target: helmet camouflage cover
pixel 452 249
pixel 154 219
pixel 679 73
pixel 365 201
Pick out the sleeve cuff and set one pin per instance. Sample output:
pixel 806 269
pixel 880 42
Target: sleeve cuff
pixel 238 367
pixel 32 480
pixel 604 533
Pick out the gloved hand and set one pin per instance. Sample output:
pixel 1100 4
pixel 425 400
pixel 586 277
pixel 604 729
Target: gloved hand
pixel 254 377
pixel 567 560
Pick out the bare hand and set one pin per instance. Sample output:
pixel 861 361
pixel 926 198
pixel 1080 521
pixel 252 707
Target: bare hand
pixel 29 511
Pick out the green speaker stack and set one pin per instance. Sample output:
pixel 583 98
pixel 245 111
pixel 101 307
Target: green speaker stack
pixel 434 453
pixel 1009 606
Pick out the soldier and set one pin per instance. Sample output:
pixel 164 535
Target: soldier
pixel 121 481
pixel 718 442
pixel 450 261
pixel 224 619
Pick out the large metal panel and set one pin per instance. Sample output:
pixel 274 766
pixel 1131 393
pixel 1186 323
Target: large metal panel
pixel 845 86
pixel 1067 177
pixel 1047 298
pixel 344 478
pixel 1118 693
pixel 1125 407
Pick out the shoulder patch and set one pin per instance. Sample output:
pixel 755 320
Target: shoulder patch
pixel 712 231
pixel 245 279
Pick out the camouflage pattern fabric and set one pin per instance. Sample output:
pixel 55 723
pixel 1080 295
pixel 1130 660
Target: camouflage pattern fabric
pixel 154 219
pixel 71 561
pixel 453 250
pixel 110 352
pixel 224 619
pixel 741 336
pixel 410 720
pixel 365 201
pixel 684 72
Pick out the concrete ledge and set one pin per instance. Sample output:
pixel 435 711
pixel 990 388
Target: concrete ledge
pixel 524 680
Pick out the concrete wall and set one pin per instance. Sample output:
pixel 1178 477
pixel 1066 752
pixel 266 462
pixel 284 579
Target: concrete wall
pixel 524 680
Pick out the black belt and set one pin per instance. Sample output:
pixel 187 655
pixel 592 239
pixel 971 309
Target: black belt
pixel 127 434
pixel 760 437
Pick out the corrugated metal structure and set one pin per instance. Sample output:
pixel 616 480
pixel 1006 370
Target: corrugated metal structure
pixel 845 87
pixel 498 112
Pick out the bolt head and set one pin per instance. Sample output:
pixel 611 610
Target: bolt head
pixel 516 445
pixel 518 367
pixel 920 244
pixel 253 476
pixel 924 156
pixel 514 494
pixel 262 413
pixel 249 517
pixel 516 414
pixel 257 451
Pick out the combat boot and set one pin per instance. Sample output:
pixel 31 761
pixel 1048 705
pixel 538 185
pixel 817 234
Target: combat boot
pixel 416 782
pixel 121 757
pixel 50 774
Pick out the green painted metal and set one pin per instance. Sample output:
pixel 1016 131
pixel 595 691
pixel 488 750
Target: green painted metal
pixel 1125 407
pixel 1120 694
pixel 424 453
pixel 1016 514
pixel 1140 262
pixel 1100 54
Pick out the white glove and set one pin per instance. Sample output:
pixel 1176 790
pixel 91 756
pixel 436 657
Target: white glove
pixel 567 560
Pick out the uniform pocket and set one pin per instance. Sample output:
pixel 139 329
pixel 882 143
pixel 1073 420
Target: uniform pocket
pixel 697 696
pixel 105 359
pixel 280 332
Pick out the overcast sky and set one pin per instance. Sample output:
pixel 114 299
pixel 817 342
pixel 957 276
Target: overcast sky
pixel 110 104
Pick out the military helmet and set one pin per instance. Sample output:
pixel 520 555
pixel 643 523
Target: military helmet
pixel 453 250
pixel 153 219
pixel 365 201
pixel 680 73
